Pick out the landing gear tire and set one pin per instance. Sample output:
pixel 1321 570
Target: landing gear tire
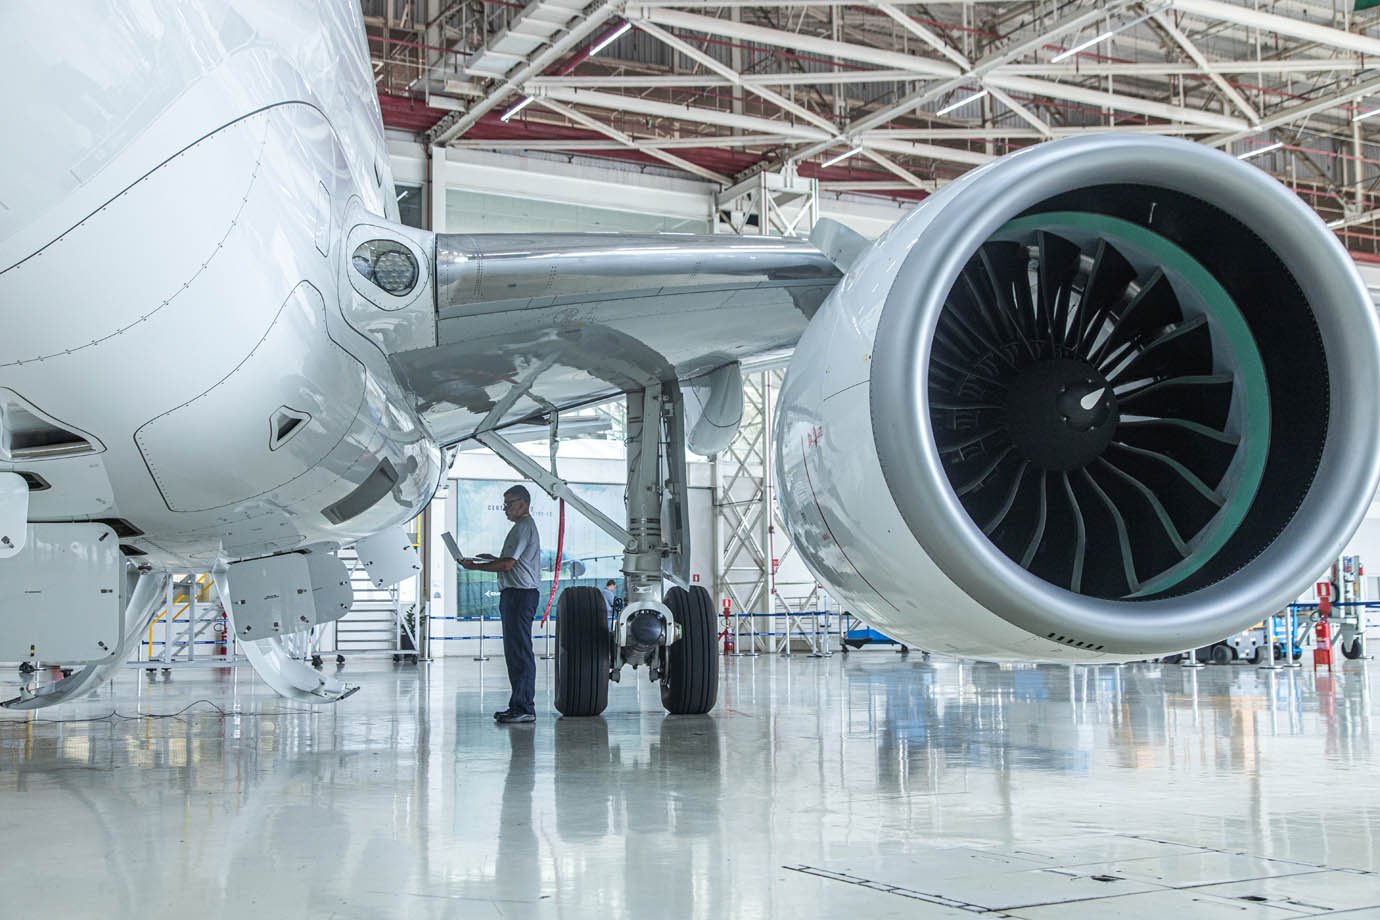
pixel 582 652
pixel 1354 649
pixel 690 681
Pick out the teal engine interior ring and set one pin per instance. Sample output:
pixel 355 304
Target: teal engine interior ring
pixel 1099 404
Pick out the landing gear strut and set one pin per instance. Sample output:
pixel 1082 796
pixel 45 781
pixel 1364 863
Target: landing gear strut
pixel 674 638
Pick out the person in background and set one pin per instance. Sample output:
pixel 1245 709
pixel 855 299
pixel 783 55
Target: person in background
pixel 518 567
pixel 609 587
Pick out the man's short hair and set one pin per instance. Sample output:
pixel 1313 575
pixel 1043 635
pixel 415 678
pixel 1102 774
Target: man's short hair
pixel 520 493
pixel 610 583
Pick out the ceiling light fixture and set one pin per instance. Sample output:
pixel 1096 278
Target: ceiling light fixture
pixel 1070 52
pixel 1364 115
pixel 962 102
pixel 622 30
pixel 1255 153
pixel 840 158
pixel 526 101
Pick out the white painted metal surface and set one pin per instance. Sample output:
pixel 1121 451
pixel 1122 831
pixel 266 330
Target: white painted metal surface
pixel 389 557
pixel 14 514
pixel 60 598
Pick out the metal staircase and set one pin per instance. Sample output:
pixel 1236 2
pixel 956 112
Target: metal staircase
pixel 374 622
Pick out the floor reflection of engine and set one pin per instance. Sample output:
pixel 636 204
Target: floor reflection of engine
pixel 662 799
pixel 945 716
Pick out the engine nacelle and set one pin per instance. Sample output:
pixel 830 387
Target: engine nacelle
pixel 1105 398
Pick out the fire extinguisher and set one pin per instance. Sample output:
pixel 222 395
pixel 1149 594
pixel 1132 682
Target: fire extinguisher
pixel 727 634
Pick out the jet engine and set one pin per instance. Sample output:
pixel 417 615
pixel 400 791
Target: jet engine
pixel 1105 398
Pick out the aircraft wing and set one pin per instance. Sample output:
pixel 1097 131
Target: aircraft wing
pixel 527 323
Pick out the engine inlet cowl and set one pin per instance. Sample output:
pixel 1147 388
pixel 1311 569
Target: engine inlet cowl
pixel 1119 394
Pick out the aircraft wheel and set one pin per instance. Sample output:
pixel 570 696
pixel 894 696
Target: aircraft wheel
pixel 690 680
pixel 1354 649
pixel 582 652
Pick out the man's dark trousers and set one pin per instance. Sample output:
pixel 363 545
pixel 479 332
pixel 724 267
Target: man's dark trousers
pixel 518 606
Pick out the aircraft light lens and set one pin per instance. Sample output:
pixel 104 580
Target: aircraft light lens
pixel 387 264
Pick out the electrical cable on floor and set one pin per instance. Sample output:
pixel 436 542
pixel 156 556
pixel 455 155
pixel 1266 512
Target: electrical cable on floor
pixel 115 715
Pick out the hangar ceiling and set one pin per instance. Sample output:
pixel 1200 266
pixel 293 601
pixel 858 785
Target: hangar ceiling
pixel 893 99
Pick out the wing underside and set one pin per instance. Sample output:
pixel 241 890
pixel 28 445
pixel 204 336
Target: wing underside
pixel 528 323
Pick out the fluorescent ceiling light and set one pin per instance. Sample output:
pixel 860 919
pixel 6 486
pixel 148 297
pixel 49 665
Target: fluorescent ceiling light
pixel 1255 153
pixel 962 102
pixel 622 30
pixel 840 158
pixel 526 101
pixel 1070 52
pixel 1364 115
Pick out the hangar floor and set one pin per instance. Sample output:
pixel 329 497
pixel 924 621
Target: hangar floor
pixel 866 786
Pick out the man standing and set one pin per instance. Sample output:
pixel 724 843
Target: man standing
pixel 518 567
pixel 609 587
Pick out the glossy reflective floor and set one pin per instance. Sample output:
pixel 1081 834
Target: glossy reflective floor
pixel 865 786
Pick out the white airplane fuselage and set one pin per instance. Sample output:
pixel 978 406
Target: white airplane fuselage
pixel 171 278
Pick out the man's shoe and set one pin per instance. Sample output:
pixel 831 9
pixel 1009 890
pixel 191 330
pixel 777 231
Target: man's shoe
pixel 504 712
pixel 507 718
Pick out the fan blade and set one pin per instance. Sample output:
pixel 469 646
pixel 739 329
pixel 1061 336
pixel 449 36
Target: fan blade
pixel 965 373
pixel 1080 537
pixel 1106 287
pixel 1186 500
pixel 1005 508
pixel 969 438
pixel 984 472
pixel 1039 534
pixel 1058 267
pixel 1157 510
pixel 999 260
pixel 1203 399
pixel 1185 349
pixel 1153 308
pixel 1122 543
pixel 1206 452
pixel 1059 558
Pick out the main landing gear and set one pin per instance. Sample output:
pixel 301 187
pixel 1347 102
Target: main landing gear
pixel 674 636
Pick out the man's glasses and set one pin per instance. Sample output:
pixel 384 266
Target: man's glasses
pixel 511 501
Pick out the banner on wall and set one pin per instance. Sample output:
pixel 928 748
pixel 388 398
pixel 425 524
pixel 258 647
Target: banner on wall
pixel 591 556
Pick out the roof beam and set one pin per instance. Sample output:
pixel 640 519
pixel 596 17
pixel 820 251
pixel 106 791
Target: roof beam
pixel 583 28
pixel 923 33
pixel 1187 46
pixel 735 121
pixel 580 118
pixel 1282 25
pixel 827 47
pixel 1299 111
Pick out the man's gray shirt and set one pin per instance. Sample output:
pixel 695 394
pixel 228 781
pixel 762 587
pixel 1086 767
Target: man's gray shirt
pixel 523 544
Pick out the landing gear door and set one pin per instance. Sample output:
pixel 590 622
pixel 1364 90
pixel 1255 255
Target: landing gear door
pixel 388 557
pixel 272 596
pixel 60 596
pixel 332 595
